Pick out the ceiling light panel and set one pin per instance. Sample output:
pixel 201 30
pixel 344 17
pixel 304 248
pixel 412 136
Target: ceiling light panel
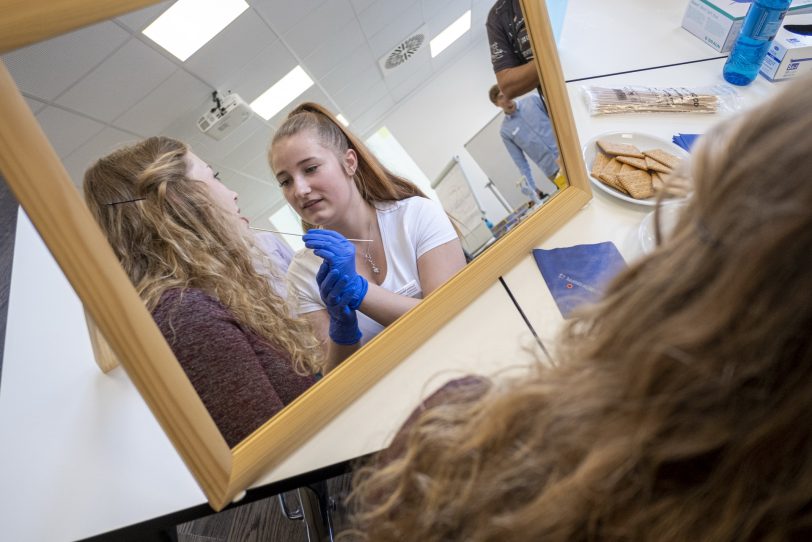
pixel 189 24
pixel 284 91
pixel 451 34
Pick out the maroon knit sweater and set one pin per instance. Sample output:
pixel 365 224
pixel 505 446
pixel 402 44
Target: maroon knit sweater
pixel 241 378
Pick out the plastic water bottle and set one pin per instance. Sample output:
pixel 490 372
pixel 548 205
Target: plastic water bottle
pixel 759 29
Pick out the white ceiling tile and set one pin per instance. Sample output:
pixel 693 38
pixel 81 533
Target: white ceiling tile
pixel 283 14
pixel 259 168
pixel 397 30
pixel 119 82
pixel 142 18
pixel 383 12
pixel 256 145
pixel 361 5
pixel 46 69
pixel 479 12
pixel 65 130
pixel 103 143
pixel 332 50
pixel 321 25
pixel 445 12
pixel 372 117
pixel 349 70
pixel 418 77
pixel 34 105
pixel 357 103
pixel 221 59
pixel 173 98
pixel 271 64
pixel 184 127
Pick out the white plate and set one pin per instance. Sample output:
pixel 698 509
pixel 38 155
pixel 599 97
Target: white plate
pixel 643 142
pixel 669 216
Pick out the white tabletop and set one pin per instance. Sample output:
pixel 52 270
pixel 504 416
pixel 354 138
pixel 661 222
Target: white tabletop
pixel 607 218
pixel 602 37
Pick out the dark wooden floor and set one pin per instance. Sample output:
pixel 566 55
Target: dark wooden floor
pixel 263 520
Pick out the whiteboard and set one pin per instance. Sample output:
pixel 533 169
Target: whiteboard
pixel 489 152
pixel 460 203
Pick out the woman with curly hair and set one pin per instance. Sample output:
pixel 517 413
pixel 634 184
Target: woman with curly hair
pixel 679 405
pixel 177 231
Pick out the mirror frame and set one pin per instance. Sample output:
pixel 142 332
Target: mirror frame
pixel 43 188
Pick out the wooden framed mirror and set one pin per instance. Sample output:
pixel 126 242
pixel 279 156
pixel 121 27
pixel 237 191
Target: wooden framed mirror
pixel 42 186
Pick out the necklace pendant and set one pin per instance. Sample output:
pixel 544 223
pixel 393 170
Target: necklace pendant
pixel 375 269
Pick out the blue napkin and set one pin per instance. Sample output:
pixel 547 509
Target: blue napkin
pixel 579 274
pixel 685 140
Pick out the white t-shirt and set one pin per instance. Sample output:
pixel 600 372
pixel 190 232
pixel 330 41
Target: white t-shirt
pixel 409 228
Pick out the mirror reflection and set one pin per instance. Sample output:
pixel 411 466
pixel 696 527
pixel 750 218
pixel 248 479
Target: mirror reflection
pixel 415 120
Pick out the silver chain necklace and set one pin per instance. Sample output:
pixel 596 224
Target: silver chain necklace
pixel 375 269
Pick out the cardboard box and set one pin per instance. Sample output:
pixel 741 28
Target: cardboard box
pixel 790 54
pixel 717 22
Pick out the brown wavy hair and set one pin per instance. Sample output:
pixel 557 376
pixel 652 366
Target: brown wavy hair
pixel 374 181
pixel 679 407
pixel 168 233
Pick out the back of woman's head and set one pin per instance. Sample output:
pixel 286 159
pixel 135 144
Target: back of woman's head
pixel 374 181
pixel 154 215
pixel 168 232
pixel 678 407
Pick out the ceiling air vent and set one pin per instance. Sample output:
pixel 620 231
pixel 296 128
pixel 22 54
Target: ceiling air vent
pixel 403 51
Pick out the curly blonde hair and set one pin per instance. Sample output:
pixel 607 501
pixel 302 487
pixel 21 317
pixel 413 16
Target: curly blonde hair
pixel 679 407
pixel 168 233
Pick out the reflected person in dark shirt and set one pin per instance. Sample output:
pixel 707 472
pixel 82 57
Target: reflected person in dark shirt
pixel 511 54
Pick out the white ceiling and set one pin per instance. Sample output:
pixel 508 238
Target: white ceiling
pixel 107 84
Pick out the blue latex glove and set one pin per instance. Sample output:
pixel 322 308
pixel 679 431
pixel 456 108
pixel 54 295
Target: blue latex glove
pixel 339 255
pixel 336 296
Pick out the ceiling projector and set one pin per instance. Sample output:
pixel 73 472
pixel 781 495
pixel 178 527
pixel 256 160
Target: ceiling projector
pixel 228 113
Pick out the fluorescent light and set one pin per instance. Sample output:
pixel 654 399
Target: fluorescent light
pixel 282 93
pixel 189 24
pixel 451 34
pixel 342 119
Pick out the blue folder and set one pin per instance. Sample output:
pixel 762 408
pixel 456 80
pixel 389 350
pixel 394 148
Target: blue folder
pixel 578 275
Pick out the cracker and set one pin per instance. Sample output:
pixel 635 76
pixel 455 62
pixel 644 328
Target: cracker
pixel 663 157
pixel 625 168
pixel 610 180
pixel 611 167
pixel 637 184
pixel 654 165
pixel 598 163
pixel 639 163
pixel 619 149
pixel 608 175
pixel 617 185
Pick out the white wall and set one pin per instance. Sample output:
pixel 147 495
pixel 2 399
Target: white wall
pixel 436 121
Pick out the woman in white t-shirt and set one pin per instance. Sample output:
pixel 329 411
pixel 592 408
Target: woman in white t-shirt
pixel 381 246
